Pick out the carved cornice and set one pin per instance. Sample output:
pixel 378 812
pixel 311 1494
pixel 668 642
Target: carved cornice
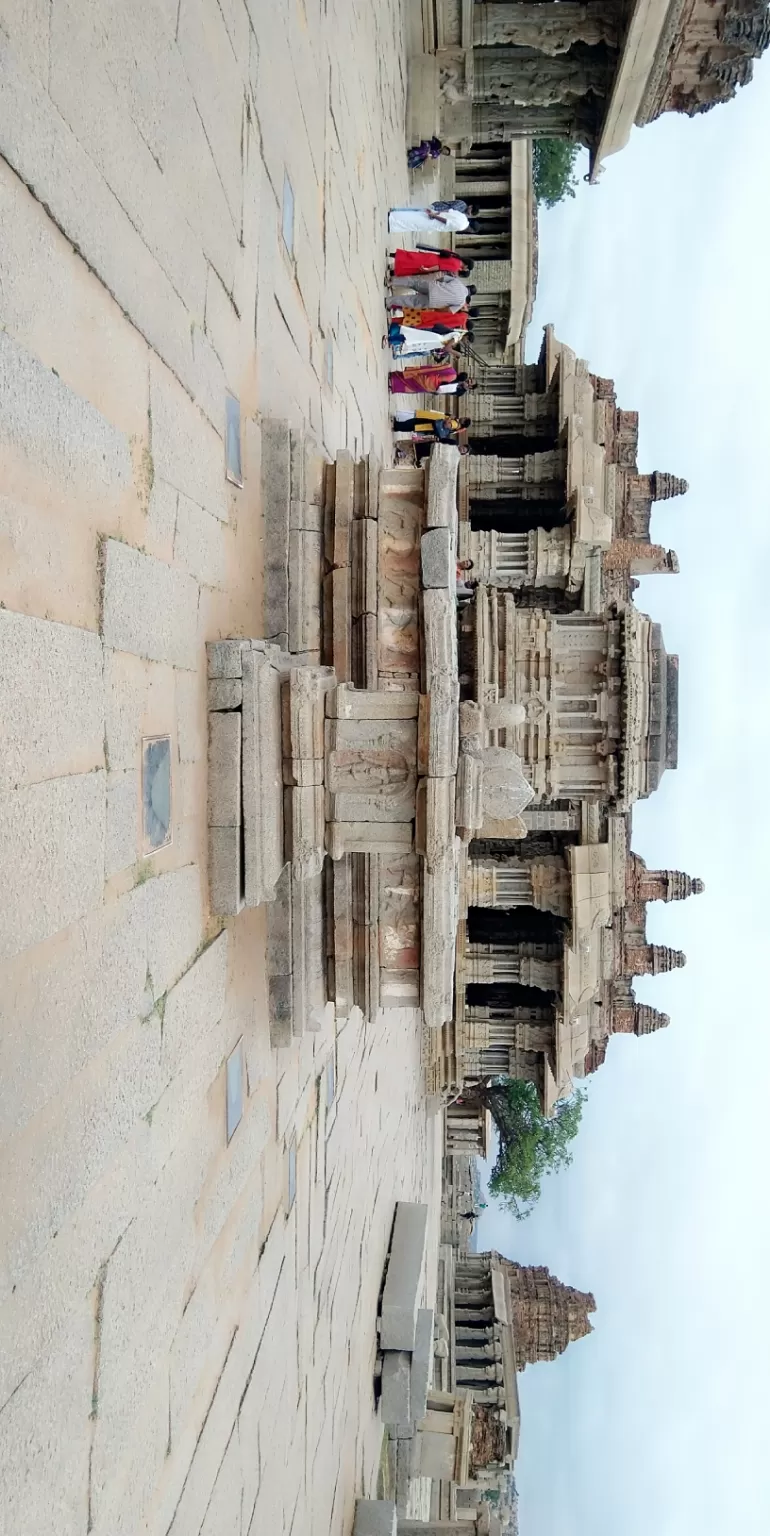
pixel 650 105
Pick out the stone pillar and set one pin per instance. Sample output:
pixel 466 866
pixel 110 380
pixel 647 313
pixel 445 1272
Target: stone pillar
pixel 509 78
pixel 551 29
pixel 488 963
pixel 495 122
pixel 520 882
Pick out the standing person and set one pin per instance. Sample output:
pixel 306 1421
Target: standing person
pixel 434 319
pixel 440 290
pixel 417 220
pixel 439 379
pixel 408 341
pixel 455 202
pixel 416 263
pixel 424 421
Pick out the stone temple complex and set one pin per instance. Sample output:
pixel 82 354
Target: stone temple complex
pixel 471 771
pixel 303 835
pixel 588 72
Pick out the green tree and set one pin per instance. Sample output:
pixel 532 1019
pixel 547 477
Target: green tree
pixel 553 166
pixel 531 1144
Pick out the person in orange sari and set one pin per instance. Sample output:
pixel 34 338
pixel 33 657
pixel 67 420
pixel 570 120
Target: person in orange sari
pixel 426 319
pixel 439 379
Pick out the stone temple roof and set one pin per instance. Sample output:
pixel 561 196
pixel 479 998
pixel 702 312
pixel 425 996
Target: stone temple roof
pixel 663 737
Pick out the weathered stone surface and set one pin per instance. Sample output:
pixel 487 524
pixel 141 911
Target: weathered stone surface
pixel 224 763
pixel 469 810
pixel 444 463
pixel 422 1364
pixel 389 837
pixel 194 1005
pixel 45 1435
pixel 505 790
pixel 276 502
pixel 348 703
pixel 439 633
pixel 199 544
pixel 375 1517
pixel 186 450
pixel 308 470
pixel 62 435
pixel 439 819
pixel 148 607
pixel 371 769
pixel 304 590
pixel 398 1318
pixel 440 917
pixel 225 658
pixel 307 689
pixel 437 560
pixel 225 870
pixel 122 826
pixel 225 693
pixel 442 732
pixel 262 778
pixel 308 829
pixel 51 700
pixel 53 839
pixel 86 210
pixel 396 1387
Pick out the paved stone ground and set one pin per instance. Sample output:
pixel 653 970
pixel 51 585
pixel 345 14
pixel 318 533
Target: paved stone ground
pixel 180 1352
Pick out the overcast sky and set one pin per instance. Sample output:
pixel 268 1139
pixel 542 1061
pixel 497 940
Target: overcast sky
pixel 659 1424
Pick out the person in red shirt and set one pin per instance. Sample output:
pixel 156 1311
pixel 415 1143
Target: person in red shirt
pixel 415 263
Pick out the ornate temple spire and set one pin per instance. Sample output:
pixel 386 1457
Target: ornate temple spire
pixel 666 885
pixel 647 1020
pixel 653 960
pixel 665 486
pixel 546 1314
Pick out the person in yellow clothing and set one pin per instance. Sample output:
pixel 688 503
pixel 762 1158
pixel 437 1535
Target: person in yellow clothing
pixel 424 423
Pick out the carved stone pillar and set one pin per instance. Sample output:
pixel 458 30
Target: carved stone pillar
pixel 518 882
pixel 552 29
pixel 525 79
pixel 489 963
pixel 494 122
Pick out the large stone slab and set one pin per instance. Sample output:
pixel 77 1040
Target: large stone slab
pixel 276 507
pixel 441 508
pixel 224 787
pixel 421 1365
pixel 46 155
pixel 348 703
pixel 225 870
pixel 148 607
pixel 438 564
pixel 51 700
pixel 52 835
pixel 375 1517
pixel 439 633
pixel 398 1317
pixel 440 913
pixel 262 777
pixel 186 450
pixel 396 1387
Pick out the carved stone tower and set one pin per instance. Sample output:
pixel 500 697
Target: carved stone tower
pixel 546 1314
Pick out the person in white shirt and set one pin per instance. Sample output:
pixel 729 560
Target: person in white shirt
pixel 418 220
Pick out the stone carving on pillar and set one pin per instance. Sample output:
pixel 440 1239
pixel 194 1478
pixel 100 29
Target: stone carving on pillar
pixel 505 790
pixel 501 76
pixel 550 29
